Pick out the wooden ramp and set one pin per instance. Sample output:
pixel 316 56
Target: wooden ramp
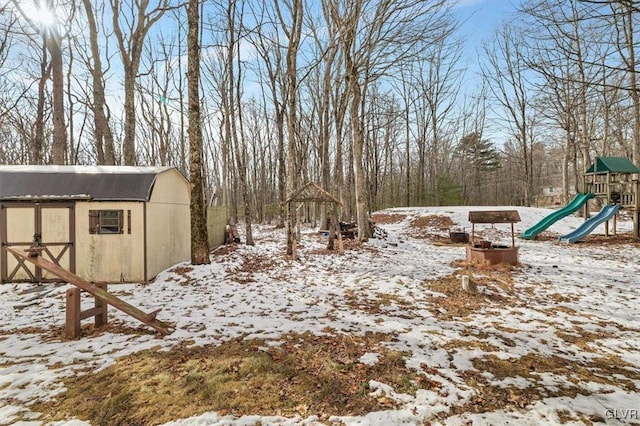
pixel 97 292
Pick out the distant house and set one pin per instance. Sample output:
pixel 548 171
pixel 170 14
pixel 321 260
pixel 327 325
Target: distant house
pixel 103 223
pixel 552 195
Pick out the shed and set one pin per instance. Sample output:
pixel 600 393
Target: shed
pixel 103 223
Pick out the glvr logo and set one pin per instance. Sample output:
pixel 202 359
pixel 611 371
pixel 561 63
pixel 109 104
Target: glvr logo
pixel 623 414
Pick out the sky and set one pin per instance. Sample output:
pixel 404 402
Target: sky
pixel 568 302
pixel 479 21
pixel 480 18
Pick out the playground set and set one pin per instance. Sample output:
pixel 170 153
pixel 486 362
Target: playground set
pixel 102 297
pixel 614 181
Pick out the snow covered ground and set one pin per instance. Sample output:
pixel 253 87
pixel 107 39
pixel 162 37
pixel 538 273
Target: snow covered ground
pixel 575 302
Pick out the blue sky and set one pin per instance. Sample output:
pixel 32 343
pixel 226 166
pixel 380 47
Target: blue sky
pixel 479 20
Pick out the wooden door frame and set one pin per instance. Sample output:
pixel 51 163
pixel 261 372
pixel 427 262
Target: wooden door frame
pixel 68 246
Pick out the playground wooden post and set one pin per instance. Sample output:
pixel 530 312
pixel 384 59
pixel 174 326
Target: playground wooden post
pixel 72 324
pixel 98 291
pixel 101 308
pixel 75 315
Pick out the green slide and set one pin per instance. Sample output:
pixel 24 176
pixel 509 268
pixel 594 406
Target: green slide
pixel 577 202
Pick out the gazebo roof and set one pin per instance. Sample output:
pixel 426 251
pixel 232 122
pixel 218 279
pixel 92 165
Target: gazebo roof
pixel 314 193
pixel 613 165
pixel 494 216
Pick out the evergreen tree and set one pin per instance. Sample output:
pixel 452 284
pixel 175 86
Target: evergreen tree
pixel 479 158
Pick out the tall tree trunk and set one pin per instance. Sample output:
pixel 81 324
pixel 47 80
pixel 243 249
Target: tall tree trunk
pixel 235 118
pixel 72 156
pixel 325 133
pixel 364 231
pixel 59 146
pixel 129 142
pixel 199 236
pixel 105 150
pixel 407 156
pixel 339 183
pixel 633 82
pixel 282 168
pixel 294 33
pixel 38 139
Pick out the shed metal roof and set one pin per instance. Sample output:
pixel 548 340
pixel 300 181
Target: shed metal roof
pixel 100 183
pixel 613 165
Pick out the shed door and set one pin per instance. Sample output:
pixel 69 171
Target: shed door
pixel 20 222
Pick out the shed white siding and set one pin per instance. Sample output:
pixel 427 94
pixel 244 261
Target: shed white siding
pixel 168 222
pixel 110 257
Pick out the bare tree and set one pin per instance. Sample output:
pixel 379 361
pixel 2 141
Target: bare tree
pixel 131 27
pixel 53 41
pixel 199 236
pixel 292 31
pixel 234 122
pixel 324 37
pixel 568 48
pixel 266 40
pixel 375 36
pixel 625 14
pixel 104 143
pixel 159 106
pixel 505 72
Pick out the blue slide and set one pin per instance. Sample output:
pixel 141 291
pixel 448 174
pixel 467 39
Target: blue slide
pixel 577 202
pixel 589 225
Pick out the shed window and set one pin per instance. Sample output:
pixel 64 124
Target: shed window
pixel 105 221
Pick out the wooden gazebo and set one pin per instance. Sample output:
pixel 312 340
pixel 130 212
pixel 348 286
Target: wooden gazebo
pixel 312 192
pixel 486 251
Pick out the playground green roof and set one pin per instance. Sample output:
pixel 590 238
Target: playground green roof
pixel 613 165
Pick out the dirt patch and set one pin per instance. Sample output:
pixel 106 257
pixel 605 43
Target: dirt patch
pixel 442 223
pixel 432 227
pixel 489 285
pixel 380 303
pixel 348 244
pixel 612 240
pixel 182 270
pixel 626 239
pixel 547 236
pixel 224 249
pixel 252 263
pixel 533 367
pixel 87 329
pixel 46 334
pixel 387 218
pixel 305 375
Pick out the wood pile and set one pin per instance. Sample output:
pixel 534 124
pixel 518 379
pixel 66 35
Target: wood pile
pixel 349 229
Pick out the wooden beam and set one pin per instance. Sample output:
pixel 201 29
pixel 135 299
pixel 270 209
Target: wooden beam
pixel 97 292
pixel 93 312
